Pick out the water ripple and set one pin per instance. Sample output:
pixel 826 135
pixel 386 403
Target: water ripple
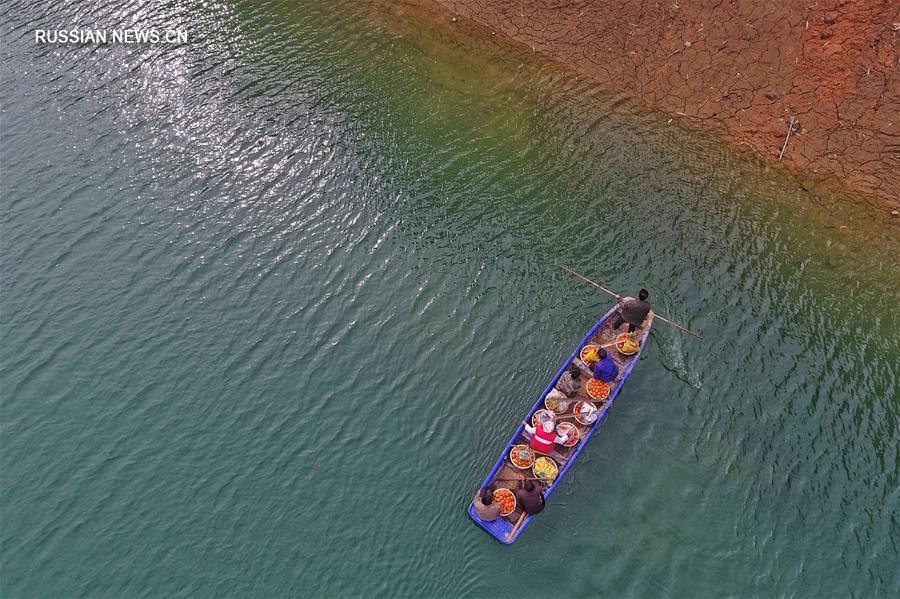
pixel 274 300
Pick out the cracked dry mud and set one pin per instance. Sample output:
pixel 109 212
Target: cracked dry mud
pixel 742 68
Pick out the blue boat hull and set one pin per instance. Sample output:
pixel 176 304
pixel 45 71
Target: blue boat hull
pixel 501 528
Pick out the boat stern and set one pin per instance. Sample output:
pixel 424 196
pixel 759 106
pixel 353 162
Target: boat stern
pixel 499 528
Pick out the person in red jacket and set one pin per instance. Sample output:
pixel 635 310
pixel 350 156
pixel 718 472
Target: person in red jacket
pixel 543 440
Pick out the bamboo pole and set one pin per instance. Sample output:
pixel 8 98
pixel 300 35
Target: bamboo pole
pixel 619 297
pixel 565 416
pixel 515 529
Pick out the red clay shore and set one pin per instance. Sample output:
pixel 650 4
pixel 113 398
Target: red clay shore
pixel 742 68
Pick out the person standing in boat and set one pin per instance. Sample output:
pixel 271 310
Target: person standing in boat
pixel 531 498
pixel 633 311
pixel 543 439
pixel 605 369
pixel 485 506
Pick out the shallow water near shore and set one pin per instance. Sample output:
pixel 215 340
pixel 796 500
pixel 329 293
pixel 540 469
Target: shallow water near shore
pixel 273 302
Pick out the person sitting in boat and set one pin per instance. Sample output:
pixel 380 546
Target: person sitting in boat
pixel 543 439
pixel 605 369
pixel 633 311
pixel 485 506
pixel 570 381
pixel 531 498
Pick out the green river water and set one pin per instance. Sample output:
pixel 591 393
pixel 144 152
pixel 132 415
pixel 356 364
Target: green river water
pixel 273 302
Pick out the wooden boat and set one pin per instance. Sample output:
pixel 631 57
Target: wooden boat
pixel 507 529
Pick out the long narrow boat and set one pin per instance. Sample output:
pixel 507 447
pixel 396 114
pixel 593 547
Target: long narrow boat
pixel 507 529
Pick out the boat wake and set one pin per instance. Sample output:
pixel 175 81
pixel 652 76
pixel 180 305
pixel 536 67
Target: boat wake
pixel 673 360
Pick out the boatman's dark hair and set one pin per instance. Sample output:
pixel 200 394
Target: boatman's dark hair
pixel 643 294
pixel 574 371
pixel 602 354
pixel 529 486
pixel 487 498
